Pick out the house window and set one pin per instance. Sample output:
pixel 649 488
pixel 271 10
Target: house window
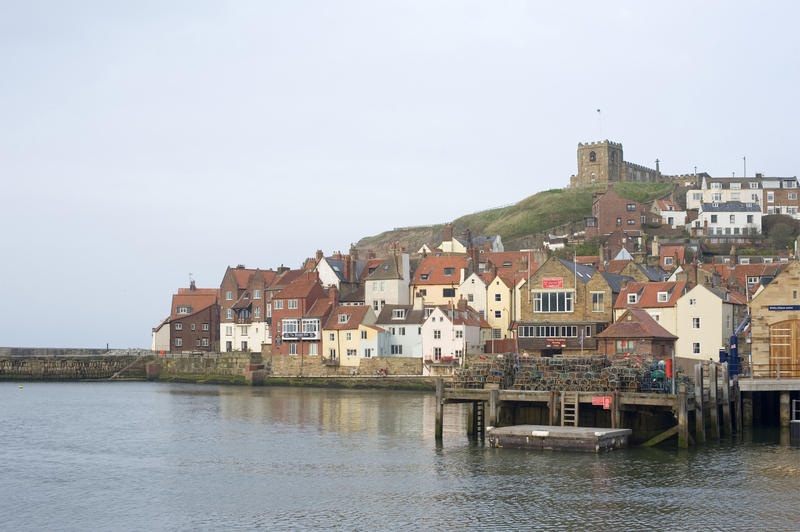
pixel 695 323
pixel 205 327
pixel 744 260
pixel 667 261
pixel 696 348
pixel 437 352
pixel 792 196
pixel 331 337
pixel 367 352
pixel 770 210
pixel 437 334
pixel 397 349
pixel 588 331
pixel 228 331
pixel 619 221
pixel 753 185
pixel 716 185
pixel 663 297
pixel 470 298
pixel 363 335
pixel 459 334
pixel 398 314
pixel 401 331
pixel 313 349
pixel 178 342
pixel 424 276
pixel 184 309
pixel 244 330
pixel 736 186
pixel 428 312
pixel 552 302
pixel 205 342
pixel 311 326
pixel 332 354
pixel 291 326
pixel 256 294
pixel 292 349
pixel 348 336
pixel 292 304
pixel 449 271
pixel 498 297
pixel 630 207
pixel 178 326
pixel 496 334
pixel 229 314
pixel 448 292
pixel 343 318
pixel 713 218
pixel 257 312
pixel 498 314
pixel 598 301
pixel 716 197
pixel 732 218
pixel 697 196
pixel 632 299
pixel 228 295
pixel 692 302
pixel 375 305
pixel 749 218
pixel 352 352
pixel 735 196
pixel 423 292
pixel 278 304
pixel 193 326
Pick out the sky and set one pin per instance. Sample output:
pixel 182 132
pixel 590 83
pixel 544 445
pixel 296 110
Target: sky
pixel 144 142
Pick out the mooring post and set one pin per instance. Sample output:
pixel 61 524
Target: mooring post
pixel 785 413
pixel 551 407
pixel 614 410
pixel 439 408
pixel 494 405
pixel 726 400
pixel 618 413
pixel 699 411
pixel 683 418
pixel 747 409
pixel 713 401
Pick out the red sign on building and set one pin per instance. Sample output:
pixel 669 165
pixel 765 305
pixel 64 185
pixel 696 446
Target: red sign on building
pixel 605 401
pixel 556 343
pixel 553 282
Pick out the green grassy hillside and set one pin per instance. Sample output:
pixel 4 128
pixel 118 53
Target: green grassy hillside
pixel 515 223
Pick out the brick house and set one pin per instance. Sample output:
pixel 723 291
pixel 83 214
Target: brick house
pixel 610 213
pixel 245 309
pixel 298 314
pixel 636 332
pixel 193 323
pixel 780 196
pixel 563 306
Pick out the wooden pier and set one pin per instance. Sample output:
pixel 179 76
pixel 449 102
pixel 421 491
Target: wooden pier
pixel 714 406
pixel 544 437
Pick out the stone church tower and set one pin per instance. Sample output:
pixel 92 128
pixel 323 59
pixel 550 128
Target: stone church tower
pixel 599 163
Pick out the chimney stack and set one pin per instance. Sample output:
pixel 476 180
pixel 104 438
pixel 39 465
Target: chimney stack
pixel 319 255
pixel 333 295
pixel 354 251
pixel 192 286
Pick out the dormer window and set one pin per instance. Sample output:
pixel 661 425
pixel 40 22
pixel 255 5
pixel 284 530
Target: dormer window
pixel 256 294
pixel 424 276
pixel 667 261
pixel 344 318
pixel 184 309
pixel 449 271
pixel 428 312
pixel 398 314
pixel 632 299
pixel 631 206
pixel 663 297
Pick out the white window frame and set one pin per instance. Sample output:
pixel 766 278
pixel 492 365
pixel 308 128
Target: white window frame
pixel 695 323
pixel 277 304
pixel 292 304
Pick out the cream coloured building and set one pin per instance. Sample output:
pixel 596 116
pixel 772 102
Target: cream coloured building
pixel 706 319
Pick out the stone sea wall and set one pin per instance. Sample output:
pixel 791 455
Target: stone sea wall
pixel 76 367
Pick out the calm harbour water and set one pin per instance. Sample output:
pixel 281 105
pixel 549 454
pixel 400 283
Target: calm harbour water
pixel 152 456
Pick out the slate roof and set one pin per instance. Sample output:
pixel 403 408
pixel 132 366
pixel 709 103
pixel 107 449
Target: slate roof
pixel 412 317
pixel 355 294
pixel 581 271
pixel 469 317
pixel 642 325
pixel 390 269
pixel 616 281
pixel 730 206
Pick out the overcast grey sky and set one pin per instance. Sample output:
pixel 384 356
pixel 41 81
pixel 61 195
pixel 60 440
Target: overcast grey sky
pixel 142 141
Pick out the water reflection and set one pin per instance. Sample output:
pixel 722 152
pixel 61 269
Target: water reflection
pixel 212 457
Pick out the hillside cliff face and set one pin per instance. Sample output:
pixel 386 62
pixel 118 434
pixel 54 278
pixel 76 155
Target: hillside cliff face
pixel 522 225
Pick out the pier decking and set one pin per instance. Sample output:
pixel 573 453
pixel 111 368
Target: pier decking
pixel 545 437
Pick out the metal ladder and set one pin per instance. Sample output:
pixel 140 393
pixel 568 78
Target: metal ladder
pixel 479 426
pixel 569 409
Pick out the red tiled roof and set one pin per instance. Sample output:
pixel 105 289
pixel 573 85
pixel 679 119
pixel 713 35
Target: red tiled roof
pixel 741 272
pixel 641 325
pixel 648 294
pixel 197 301
pixel 320 308
pixel 376 328
pixel 433 268
pixel 206 291
pixel 665 205
pixel 242 275
pixel 282 280
pixel 268 275
pixel 677 252
pixel 300 287
pixel 616 266
pixel 371 264
pixel 356 313
pixel 587 259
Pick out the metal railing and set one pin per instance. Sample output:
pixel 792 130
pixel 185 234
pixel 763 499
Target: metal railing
pixel 771 370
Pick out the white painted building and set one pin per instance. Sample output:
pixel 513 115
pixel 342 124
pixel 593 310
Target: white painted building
pixel 403 326
pixel 389 283
pixel 728 219
pixel 449 334
pixel 706 319
pixel 724 190
pixel 473 291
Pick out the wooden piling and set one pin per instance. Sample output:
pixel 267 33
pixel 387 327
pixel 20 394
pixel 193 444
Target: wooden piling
pixel 784 409
pixel 726 400
pixel 683 418
pixel 614 410
pixel 494 408
pixel 713 401
pixel 439 408
pixel 737 406
pixel 699 410
pixel 551 407
pixel 747 409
